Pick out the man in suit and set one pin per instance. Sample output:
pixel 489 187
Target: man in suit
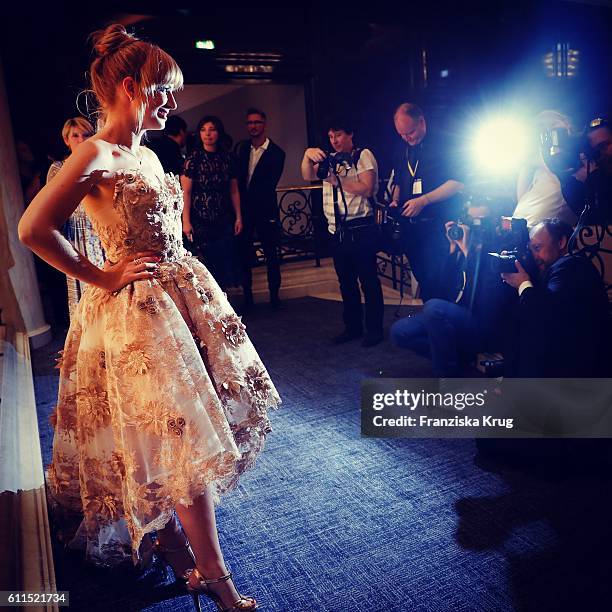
pixel 169 147
pixel 260 164
pixel 563 321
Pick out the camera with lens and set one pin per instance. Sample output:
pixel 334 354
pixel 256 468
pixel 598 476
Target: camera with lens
pixel 455 231
pixel 482 230
pixel 513 245
pixel 335 162
pixel 562 151
pixel 387 218
pixel 504 240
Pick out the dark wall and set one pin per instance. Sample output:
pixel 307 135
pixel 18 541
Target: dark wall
pixel 493 53
pixel 350 60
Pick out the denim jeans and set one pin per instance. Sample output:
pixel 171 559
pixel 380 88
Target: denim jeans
pixel 448 330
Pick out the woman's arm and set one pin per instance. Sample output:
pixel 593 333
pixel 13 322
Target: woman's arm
pixel 54 168
pixel 39 228
pixel 235 196
pixel 187 185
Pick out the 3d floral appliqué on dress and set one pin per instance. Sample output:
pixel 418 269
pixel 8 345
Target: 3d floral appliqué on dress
pixel 161 391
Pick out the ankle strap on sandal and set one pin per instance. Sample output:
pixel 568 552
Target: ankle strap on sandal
pixel 201 578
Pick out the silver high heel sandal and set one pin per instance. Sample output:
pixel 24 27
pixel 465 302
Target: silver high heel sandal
pixel 241 605
pixel 244 604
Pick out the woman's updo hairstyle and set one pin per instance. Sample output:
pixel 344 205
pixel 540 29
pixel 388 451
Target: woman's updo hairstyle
pixel 119 55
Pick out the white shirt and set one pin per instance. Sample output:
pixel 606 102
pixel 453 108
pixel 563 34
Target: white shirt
pixel 357 206
pixel 255 156
pixel 543 200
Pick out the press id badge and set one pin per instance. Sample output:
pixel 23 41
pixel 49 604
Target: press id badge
pixel 417 187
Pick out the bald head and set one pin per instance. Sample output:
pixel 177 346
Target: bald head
pixel 409 123
pixel 409 109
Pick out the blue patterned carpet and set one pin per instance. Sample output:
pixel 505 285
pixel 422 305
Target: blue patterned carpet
pixel 329 521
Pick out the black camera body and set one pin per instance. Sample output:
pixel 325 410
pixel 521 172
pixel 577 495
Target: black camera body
pixel 563 152
pixel 505 262
pixel 513 245
pixel 504 240
pixel 482 230
pixel 392 221
pixel 335 162
pixel 455 232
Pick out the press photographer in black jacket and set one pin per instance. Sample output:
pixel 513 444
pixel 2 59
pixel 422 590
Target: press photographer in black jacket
pixel 588 191
pixel 563 320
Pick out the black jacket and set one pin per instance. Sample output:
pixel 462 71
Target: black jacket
pixel 564 325
pixel 258 201
pixel 169 154
pixel 596 191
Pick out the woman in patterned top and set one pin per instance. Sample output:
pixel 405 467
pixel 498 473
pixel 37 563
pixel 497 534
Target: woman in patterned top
pixel 211 210
pixel 78 228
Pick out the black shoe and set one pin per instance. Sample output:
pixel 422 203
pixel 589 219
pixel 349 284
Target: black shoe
pixel 346 336
pixel 276 303
pixel 372 339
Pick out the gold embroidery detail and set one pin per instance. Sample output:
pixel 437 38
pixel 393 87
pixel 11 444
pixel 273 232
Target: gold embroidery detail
pixel 258 384
pixel 176 425
pixel 233 329
pixel 149 305
pixel 152 419
pixel 134 359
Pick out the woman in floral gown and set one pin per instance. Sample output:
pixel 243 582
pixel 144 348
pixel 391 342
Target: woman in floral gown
pixel 163 399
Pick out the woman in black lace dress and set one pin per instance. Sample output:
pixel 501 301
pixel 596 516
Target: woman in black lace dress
pixel 211 212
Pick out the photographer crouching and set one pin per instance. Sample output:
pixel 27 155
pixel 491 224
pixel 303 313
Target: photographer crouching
pixel 350 178
pixel 563 322
pixel 452 332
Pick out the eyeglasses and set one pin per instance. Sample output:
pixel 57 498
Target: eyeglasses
pixel 597 122
pixel 257 122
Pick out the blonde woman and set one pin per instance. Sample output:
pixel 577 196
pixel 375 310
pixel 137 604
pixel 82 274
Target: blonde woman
pixel 163 399
pixel 78 228
pixel 538 190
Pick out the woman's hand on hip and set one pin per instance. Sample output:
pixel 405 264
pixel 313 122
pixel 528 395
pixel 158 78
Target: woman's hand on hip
pixel 133 267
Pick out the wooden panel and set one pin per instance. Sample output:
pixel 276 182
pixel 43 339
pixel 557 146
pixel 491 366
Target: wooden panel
pixel 26 560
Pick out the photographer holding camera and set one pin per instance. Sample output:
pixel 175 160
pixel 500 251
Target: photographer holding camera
pixel 425 196
pixel 563 321
pixel 452 332
pixel 350 178
pixel 584 168
pixel 538 190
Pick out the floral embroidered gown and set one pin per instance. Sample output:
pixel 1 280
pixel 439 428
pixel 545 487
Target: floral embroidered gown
pixel 161 391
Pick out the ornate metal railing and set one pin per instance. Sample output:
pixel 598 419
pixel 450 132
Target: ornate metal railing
pixel 396 269
pixel 304 234
pixel 595 243
pixel 299 218
pixel 299 215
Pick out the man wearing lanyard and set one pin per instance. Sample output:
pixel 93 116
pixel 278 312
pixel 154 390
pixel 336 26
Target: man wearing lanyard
pixel 426 190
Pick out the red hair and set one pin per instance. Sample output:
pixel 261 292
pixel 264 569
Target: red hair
pixel 120 55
